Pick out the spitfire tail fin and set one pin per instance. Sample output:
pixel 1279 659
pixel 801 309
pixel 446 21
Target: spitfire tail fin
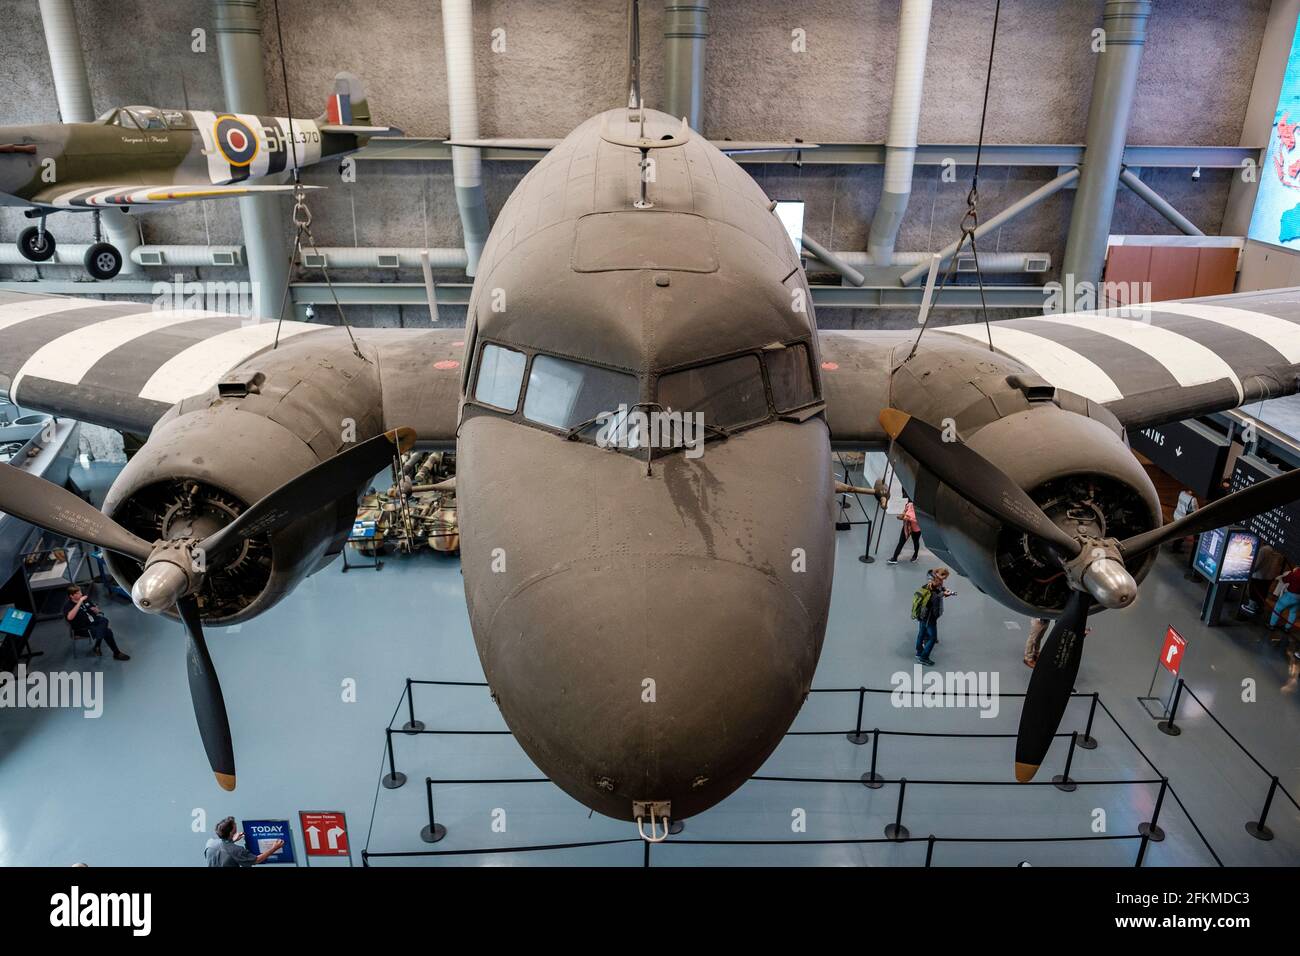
pixel 347 105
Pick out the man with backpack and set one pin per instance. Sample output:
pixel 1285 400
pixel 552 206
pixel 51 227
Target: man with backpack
pixel 927 608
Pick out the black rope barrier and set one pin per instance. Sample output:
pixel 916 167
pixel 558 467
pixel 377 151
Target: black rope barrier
pixel 895 832
pixel 1258 828
pixel 1172 792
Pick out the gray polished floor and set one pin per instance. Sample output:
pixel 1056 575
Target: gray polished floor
pixel 132 787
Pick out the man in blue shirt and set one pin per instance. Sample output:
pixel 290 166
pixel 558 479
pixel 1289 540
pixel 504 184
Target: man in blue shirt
pixel 225 849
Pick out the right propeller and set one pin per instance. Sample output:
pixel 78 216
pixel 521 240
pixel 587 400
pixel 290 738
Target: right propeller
pixel 1095 568
pixel 174 569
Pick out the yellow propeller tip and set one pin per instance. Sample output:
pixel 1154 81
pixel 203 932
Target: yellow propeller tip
pixel 893 421
pixel 403 438
pixel 1025 771
pixel 226 781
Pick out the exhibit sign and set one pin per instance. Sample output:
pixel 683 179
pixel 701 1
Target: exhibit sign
pixel 1276 217
pixel 259 835
pixel 1190 452
pixel 1171 652
pixel 1279 528
pixel 1209 549
pixel 324 832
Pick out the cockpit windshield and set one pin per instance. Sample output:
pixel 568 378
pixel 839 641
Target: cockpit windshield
pixel 595 403
pixel 563 393
pixel 728 394
pixel 137 117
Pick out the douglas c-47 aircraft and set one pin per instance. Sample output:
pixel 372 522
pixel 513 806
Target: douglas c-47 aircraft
pixel 138 156
pixel 606 562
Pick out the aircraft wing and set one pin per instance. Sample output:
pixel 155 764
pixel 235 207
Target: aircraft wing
pixel 1170 361
pixel 126 195
pixel 124 365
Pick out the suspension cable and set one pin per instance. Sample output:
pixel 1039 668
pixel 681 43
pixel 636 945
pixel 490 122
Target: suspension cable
pixel 970 221
pixel 302 213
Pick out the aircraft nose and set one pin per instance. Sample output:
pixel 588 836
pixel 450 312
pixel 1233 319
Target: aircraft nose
pixel 672 678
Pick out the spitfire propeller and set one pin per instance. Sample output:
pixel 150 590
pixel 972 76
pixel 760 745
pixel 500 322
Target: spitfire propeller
pixel 174 569
pixel 1095 568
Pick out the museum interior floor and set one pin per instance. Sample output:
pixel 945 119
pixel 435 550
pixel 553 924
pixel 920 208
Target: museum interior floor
pixel 128 787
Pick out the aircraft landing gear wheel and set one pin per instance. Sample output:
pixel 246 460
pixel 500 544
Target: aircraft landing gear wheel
pixel 35 244
pixel 103 260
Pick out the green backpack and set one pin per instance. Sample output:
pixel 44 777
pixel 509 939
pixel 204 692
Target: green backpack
pixel 920 601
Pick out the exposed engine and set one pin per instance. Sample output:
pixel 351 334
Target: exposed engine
pixel 1068 454
pixel 213 456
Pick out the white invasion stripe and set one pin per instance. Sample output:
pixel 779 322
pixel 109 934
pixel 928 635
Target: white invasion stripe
pixel 11 313
pixel 1282 335
pixel 66 198
pixel 198 368
pixel 1189 362
pixel 1062 366
pixel 70 356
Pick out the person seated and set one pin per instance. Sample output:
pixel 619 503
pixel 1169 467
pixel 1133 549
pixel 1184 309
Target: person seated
pixel 89 621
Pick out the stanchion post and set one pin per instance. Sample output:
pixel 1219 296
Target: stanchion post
pixel 1062 781
pixel 1142 850
pixel 865 557
pixel 896 831
pixel 435 831
pixel 929 850
pixel 394 778
pixel 1088 741
pixel 872 780
pixel 858 737
pixel 1258 828
pixel 1168 726
pixel 1152 829
pixel 412 726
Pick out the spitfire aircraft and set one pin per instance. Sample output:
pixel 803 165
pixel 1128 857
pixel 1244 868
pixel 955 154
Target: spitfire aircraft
pixel 138 156
pixel 603 296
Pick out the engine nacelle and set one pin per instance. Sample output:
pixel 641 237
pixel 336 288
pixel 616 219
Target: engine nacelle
pixel 1067 453
pixel 213 456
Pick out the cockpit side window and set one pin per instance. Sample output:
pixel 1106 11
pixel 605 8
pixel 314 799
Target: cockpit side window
pixel 563 393
pixel 729 394
pixel 500 376
pixel 790 377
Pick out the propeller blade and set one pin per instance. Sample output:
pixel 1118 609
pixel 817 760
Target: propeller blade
pixel 1050 685
pixel 314 488
pixel 1255 500
pixel 45 504
pixel 205 693
pixel 975 478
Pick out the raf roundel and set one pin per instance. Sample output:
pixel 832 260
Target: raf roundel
pixel 236 142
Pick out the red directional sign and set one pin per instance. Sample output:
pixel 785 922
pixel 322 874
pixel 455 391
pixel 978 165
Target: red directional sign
pixel 1171 653
pixel 325 832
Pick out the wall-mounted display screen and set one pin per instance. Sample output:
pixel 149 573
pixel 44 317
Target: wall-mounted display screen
pixel 1276 219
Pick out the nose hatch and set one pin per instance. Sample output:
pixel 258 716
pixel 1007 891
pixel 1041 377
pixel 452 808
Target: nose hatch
pixel 670 681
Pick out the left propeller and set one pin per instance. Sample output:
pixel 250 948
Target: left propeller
pixel 174 569
pixel 1094 568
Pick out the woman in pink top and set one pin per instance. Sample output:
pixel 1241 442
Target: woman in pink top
pixel 911 528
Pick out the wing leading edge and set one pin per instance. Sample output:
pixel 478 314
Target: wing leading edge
pixel 1172 360
pixel 124 365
